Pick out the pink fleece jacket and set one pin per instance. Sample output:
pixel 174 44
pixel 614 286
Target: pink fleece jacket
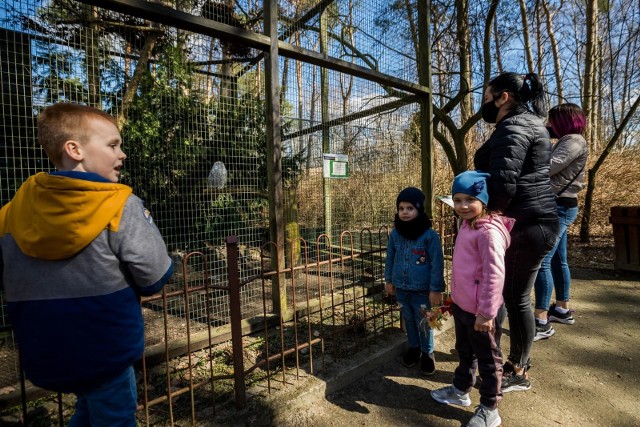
pixel 477 277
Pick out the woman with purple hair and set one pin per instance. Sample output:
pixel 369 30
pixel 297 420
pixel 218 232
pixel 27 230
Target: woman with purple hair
pixel 568 160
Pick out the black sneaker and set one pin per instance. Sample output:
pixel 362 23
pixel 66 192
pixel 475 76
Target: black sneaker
pixel 507 369
pixel 556 316
pixel 515 382
pixel 543 331
pixel 427 364
pixel 411 357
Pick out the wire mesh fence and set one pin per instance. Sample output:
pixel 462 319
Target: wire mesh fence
pixel 187 86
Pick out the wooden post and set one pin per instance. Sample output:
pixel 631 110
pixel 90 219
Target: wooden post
pixel 235 315
pixel 274 157
pixel 426 108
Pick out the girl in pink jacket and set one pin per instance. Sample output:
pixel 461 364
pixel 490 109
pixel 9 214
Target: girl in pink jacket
pixel 477 281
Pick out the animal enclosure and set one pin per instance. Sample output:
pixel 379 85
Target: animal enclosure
pixel 280 123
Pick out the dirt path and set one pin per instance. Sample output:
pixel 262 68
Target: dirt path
pixel 585 375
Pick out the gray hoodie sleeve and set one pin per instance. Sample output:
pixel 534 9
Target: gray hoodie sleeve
pixel 140 247
pixel 568 160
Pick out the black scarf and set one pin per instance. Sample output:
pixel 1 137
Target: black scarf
pixel 414 228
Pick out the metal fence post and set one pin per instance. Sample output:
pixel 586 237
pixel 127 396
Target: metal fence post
pixel 233 275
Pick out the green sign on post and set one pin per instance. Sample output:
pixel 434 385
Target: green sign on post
pixel 335 165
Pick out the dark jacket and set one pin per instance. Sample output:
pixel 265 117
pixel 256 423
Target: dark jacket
pixel 517 155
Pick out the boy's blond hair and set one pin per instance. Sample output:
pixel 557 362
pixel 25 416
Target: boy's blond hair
pixel 65 121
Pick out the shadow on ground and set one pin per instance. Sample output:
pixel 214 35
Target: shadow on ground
pixel 586 374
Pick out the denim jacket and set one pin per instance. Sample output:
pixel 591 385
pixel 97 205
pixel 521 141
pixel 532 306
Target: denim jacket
pixel 415 265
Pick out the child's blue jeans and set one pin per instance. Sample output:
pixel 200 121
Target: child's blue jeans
pixel 113 404
pixel 410 302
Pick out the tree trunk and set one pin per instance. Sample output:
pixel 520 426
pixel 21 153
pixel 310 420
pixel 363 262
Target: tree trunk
pixel 628 82
pixel 554 51
pixel 589 67
pixel 412 26
pixel 486 41
pixel 525 35
pixel 456 150
pixel 539 41
pixel 141 67
pixel 596 113
pixel 497 46
pixel 464 50
pixel 457 154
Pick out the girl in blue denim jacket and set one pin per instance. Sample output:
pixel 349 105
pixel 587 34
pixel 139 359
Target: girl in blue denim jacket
pixel 414 273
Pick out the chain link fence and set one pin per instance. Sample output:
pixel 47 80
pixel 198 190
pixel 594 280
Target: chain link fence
pixel 187 82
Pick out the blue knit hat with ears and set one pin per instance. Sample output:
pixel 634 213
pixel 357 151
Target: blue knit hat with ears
pixel 473 183
pixel 413 195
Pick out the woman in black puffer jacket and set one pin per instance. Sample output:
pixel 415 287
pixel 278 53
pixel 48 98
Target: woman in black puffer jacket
pixel 517 155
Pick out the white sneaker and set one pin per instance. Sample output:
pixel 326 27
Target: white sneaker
pixel 450 395
pixel 485 417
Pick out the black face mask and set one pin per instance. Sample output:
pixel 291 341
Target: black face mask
pixel 490 111
pixel 552 134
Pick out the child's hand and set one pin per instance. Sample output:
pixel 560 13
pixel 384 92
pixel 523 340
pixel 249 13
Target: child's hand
pixel 389 289
pixel 483 324
pixel 435 299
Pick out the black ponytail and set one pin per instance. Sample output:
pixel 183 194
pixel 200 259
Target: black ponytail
pixel 527 90
pixel 536 99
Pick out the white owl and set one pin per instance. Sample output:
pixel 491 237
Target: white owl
pixel 217 176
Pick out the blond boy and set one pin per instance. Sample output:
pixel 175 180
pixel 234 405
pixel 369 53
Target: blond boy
pixel 77 250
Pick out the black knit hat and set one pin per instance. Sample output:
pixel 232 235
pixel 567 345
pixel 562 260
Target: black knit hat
pixel 412 195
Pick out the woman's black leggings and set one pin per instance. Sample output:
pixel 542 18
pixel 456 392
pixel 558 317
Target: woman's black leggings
pixel 530 243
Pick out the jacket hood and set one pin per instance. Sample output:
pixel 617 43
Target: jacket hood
pixel 502 223
pixel 54 217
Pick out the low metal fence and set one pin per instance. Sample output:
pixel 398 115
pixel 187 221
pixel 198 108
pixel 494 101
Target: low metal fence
pixel 197 363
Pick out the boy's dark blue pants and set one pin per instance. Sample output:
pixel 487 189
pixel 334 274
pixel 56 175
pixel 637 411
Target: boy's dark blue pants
pixel 112 404
pixel 477 350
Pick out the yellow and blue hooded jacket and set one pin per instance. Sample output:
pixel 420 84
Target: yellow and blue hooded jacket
pixel 76 253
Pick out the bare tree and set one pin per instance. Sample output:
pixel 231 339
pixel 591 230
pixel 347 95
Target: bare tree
pixel 463 38
pixel 590 61
pixel 539 40
pixel 525 35
pixel 554 50
pixel 497 46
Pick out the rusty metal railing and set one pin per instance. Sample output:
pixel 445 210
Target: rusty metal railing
pixel 290 341
pixel 334 306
